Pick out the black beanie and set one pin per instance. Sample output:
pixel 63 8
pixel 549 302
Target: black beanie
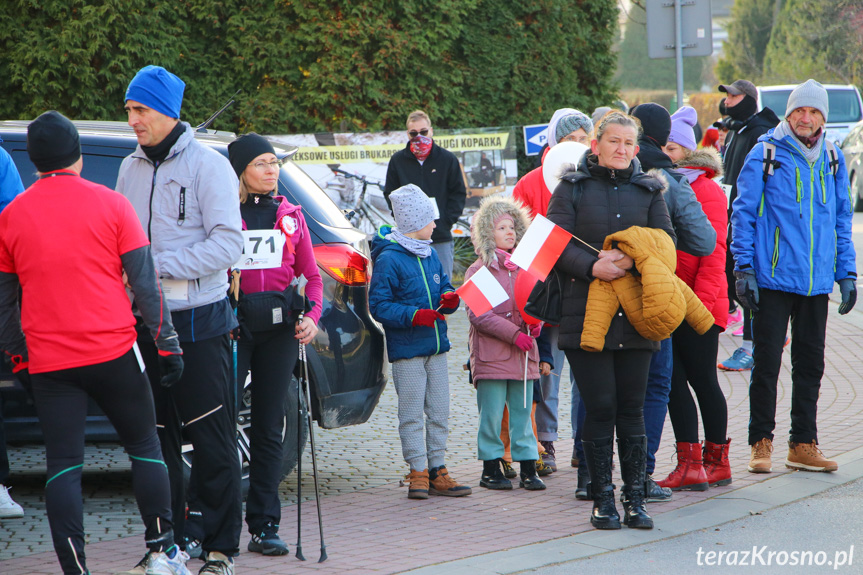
pixel 246 148
pixel 52 142
pixel 655 121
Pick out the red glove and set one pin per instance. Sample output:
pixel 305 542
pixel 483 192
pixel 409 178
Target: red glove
pixel 449 300
pixel 426 317
pixel 535 330
pixel 524 342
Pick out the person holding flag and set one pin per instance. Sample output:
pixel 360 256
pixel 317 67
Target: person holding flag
pixel 503 350
pixel 608 193
pixel 409 290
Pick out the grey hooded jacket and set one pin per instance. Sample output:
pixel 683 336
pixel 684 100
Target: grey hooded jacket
pixel 189 206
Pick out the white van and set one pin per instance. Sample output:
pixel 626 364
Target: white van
pixel 846 107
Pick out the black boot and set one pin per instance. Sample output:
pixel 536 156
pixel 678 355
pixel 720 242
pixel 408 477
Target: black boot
pixel 633 460
pixel 582 488
pixel 529 479
pixel 598 455
pixel 492 476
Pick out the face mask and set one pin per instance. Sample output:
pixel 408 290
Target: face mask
pixel 744 109
pixel 421 147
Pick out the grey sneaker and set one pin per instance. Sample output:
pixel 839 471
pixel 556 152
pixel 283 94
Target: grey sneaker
pixel 548 456
pixel 193 548
pixel 267 542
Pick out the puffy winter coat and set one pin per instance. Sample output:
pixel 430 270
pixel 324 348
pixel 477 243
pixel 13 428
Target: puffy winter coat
pixel 492 335
pixel 401 284
pixel 607 201
pixel 706 276
pixel 795 228
pixel 655 300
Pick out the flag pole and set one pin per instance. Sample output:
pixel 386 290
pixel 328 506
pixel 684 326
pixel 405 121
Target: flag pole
pixel 525 379
pixel 584 242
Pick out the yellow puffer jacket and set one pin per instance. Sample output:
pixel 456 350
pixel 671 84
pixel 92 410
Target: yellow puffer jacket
pixel 655 303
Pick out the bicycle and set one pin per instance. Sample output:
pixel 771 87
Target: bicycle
pixel 356 207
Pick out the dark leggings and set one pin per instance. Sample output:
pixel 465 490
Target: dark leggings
pixel 695 366
pixel 122 391
pixel 612 385
pixel 271 356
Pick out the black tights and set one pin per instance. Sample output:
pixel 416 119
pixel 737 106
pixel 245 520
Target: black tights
pixel 695 366
pixel 612 385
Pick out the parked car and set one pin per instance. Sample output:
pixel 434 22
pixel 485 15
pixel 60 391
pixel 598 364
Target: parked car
pixel 852 149
pixel 846 106
pixel 346 359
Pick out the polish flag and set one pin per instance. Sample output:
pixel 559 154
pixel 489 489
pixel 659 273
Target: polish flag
pixel 482 292
pixel 541 246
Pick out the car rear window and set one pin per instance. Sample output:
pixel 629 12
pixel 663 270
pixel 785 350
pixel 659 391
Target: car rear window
pixel 844 105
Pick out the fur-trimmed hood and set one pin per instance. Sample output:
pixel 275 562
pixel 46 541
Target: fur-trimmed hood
pixel 482 225
pixel 705 159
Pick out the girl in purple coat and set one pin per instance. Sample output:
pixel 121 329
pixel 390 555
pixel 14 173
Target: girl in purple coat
pixel 498 341
pixel 271 352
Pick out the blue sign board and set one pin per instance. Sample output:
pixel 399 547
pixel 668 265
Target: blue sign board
pixel 534 138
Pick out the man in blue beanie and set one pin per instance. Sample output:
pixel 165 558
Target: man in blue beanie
pixel 186 196
pixel 792 241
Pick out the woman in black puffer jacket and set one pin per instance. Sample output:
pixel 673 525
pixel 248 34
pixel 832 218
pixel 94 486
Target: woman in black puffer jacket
pixel 607 193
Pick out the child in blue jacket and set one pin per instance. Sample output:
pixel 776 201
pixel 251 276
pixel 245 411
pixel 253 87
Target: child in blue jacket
pixel 409 289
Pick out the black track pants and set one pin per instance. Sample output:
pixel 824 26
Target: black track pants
pixel 122 391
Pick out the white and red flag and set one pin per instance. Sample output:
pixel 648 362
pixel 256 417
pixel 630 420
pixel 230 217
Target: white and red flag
pixel 540 248
pixel 482 292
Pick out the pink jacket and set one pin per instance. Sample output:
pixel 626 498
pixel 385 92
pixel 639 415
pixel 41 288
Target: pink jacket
pixel 300 262
pixel 493 353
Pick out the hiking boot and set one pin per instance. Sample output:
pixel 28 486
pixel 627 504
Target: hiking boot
pixel 528 476
pixel 574 462
pixel 192 547
pixel 598 454
pixel 442 483
pixel 653 493
pixel 689 474
pixel 162 564
pixel 418 484
pixel 716 464
pixel 740 360
pixel 508 471
pixel 267 542
pixel 492 477
pixel 217 564
pixel 633 469
pixel 759 461
pixel 548 455
pixel 8 508
pixel 542 469
pixel 808 457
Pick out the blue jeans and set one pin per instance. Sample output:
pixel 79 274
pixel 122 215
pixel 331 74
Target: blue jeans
pixel 546 408
pixel 576 415
pixel 656 399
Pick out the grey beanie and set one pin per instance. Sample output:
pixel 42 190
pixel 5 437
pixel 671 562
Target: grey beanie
pixel 412 208
pixel 809 94
pixel 569 124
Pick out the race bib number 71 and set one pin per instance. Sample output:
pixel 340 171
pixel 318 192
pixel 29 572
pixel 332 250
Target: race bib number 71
pixel 262 249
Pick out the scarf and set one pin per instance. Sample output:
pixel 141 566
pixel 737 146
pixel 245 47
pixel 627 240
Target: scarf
pixel 419 248
pixel 160 151
pixel 690 173
pixel 812 154
pixel 506 256
pixel 421 147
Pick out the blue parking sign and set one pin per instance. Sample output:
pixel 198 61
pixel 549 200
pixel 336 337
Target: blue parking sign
pixel 534 138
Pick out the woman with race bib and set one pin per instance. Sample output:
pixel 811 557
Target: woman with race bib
pixel 269 344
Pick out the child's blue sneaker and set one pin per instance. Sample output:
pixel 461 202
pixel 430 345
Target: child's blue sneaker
pixel 740 360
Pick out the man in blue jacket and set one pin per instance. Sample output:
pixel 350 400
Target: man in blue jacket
pixel 792 211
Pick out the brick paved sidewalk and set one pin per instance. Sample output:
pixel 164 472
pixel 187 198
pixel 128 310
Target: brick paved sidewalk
pixel 369 524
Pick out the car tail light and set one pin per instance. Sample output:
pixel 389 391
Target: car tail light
pixel 343 263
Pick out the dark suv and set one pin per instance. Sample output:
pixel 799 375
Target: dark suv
pixel 346 360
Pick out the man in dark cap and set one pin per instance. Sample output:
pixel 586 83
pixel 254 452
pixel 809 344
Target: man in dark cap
pixel 186 196
pixel 746 124
pixel 696 236
pixel 73 350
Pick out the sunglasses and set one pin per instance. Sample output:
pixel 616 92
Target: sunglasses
pixel 414 133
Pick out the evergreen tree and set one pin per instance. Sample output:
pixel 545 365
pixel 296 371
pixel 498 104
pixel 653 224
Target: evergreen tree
pixel 748 35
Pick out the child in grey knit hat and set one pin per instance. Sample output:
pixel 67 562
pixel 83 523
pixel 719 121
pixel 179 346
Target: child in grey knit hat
pixel 409 294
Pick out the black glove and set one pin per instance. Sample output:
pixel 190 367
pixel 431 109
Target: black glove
pixel 849 295
pixel 241 332
pixel 747 288
pixel 171 367
pixel 21 369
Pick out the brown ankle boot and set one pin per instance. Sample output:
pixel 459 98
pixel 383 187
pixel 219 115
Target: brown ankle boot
pixel 418 484
pixel 808 457
pixel 442 483
pixel 759 461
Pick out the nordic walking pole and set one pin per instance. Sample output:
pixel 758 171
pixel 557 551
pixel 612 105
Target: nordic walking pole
pixel 300 463
pixel 314 456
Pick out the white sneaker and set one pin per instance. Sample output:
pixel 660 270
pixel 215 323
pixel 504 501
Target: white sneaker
pixel 8 508
pixel 161 564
